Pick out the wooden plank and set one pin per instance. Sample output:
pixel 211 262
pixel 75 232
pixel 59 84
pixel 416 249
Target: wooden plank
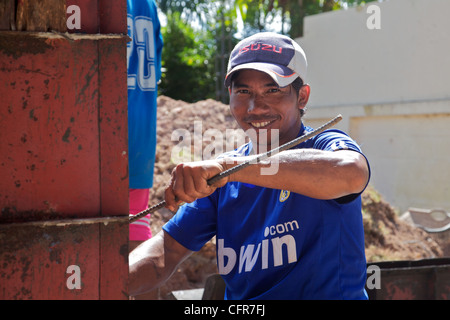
pixel 43 15
pixel 7 14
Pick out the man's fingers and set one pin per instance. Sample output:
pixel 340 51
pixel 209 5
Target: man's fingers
pixel 169 197
pixel 183 186
pixel 190 182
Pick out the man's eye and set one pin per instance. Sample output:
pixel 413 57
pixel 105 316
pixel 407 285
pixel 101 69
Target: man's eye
pixel 273 90
pixel 242 91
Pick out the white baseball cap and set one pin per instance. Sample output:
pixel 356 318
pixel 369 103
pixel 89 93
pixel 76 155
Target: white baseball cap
pixel 277 55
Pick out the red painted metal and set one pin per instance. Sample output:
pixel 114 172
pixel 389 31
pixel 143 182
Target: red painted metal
pixel 64 163
pixel 50 123
pixel 101 16
pixel 89 15
pixel 113 16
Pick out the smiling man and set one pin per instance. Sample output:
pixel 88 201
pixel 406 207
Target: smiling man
pixel 296 233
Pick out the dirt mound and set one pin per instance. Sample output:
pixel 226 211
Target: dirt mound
pixel 193 120
pixel 387 237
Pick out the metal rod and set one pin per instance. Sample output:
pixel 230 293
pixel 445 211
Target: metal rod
pixel 65 222
pixel 255 160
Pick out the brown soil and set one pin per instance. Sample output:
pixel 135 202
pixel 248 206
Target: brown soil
pixel 387 237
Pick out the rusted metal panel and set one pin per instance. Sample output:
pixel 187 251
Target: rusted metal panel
pixel 406 284
pixel 63 159
pixel 427 279
pixel 114 261
pixel 442 283
pixel 113 16
pixel 65 128
pixel 101 16
pixel 49 127
pixel 35 261
pixel 113 126
pixel 70 259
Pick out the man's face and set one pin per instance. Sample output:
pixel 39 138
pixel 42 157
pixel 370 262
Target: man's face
pixel 259 104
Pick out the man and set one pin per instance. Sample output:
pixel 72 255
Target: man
pixel 144 72
pixel 295 233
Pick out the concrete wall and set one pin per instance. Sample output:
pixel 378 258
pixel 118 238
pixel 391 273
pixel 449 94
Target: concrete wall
pixel 392 85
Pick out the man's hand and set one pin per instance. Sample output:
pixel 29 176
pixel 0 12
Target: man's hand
pixel 153 262
pixel 190 182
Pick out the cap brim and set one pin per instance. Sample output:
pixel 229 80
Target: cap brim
pixel 282 75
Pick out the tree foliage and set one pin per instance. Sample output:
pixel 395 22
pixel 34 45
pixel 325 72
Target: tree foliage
pixel 201 33
pixel 186 56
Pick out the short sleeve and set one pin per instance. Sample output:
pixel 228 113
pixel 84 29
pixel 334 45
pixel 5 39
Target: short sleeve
pixel 194 224
pixel 334 140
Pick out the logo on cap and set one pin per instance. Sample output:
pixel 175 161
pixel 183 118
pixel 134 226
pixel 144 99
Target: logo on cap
pixel 260 46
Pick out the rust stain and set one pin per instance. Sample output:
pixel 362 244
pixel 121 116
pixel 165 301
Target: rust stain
pixel 17 44
pixel 398 292
pixel 66 135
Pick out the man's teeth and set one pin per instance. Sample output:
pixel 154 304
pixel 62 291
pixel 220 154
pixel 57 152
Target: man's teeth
pixel 260 124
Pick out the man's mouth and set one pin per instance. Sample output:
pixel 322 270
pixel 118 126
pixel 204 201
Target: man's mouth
pixel 260 124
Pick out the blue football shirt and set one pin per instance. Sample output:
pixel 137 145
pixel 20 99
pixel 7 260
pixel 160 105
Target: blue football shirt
pixel 144 72
pixel 276 244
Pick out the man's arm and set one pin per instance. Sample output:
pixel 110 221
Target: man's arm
pixel 153 262
pixel 314 173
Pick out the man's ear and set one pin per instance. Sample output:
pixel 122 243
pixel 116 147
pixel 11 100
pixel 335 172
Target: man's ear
pixel 303 96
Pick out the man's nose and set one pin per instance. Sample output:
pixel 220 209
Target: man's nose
pixel 256 104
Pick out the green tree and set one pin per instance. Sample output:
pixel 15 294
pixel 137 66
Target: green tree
pixel 186 56
pixel 197 41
